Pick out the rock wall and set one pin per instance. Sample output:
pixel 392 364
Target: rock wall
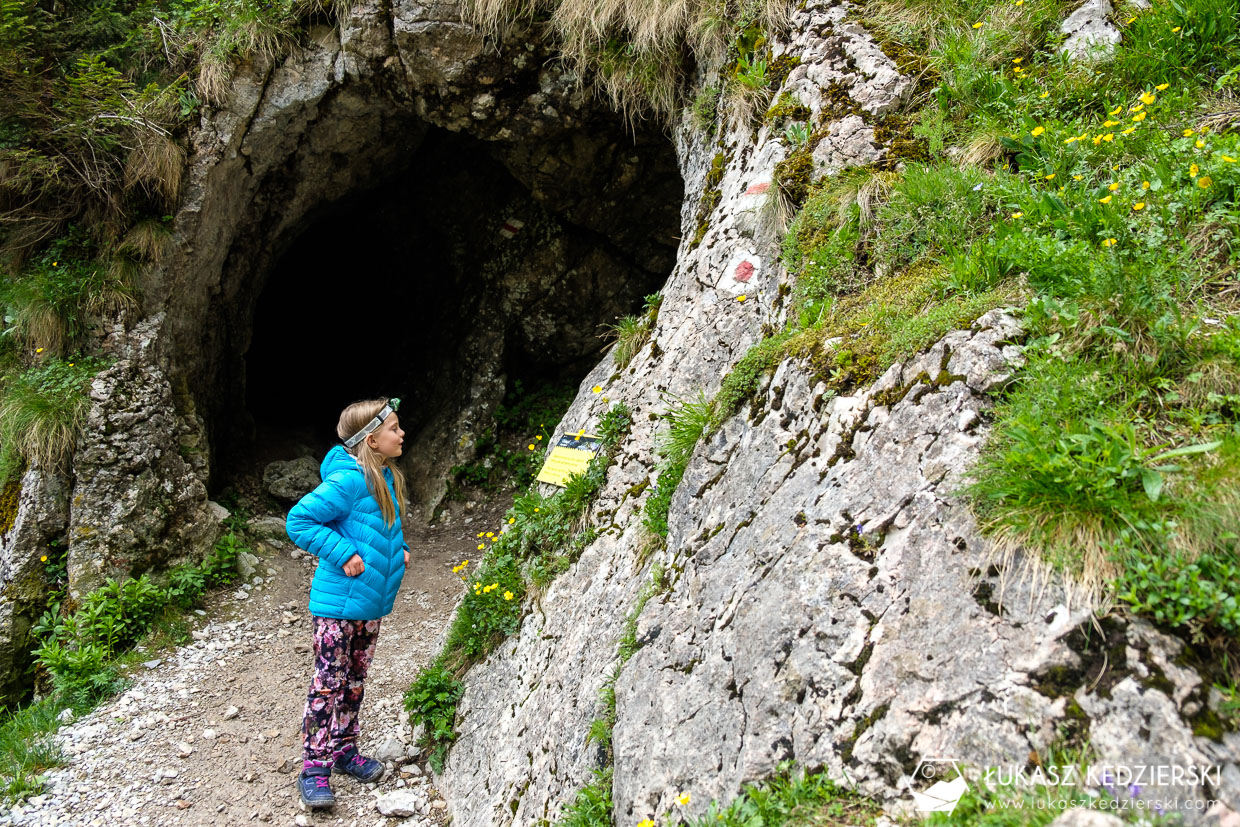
pixel 42 511
pixel 140 471
pixel 831 600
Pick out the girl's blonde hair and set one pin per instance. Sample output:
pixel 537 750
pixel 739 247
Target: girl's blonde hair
pixel 352 420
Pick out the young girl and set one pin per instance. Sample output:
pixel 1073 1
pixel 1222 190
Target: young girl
pixel 352 523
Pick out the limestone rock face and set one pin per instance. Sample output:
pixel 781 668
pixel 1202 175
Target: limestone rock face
pixel 42 513
pixel 1091 34
pixel 830 599
pixel 139 494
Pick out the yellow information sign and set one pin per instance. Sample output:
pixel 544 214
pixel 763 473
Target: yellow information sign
pixel 571 455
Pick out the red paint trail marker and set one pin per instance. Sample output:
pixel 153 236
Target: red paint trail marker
pixel 511 227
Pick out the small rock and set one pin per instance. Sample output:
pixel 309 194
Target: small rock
pixel 301 821
pixel 184 750
pixel 399 803
pixel 439 804
pixel 151 664
pixel 231 712
pixel 208 734
pixel 391 749
pixel 65 716
pixel 412 769
pixel 136 734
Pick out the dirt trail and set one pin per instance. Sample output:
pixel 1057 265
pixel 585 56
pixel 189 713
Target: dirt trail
pixel 170 750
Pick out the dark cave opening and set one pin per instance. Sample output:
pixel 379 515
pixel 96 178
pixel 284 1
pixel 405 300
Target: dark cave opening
pixel 442 286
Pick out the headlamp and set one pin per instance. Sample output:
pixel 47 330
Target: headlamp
pixel 373 425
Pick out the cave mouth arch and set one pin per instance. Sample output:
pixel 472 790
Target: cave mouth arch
pixel 443 284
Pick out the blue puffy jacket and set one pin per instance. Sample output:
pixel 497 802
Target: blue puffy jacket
pixel 338 519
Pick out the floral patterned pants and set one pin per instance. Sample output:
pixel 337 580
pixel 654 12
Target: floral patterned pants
pixel 343 650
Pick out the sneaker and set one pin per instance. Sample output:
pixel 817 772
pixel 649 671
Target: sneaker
pixel 362 768
pixel 315 787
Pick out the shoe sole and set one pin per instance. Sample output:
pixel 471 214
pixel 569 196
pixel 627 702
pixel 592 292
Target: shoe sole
pixel 306 805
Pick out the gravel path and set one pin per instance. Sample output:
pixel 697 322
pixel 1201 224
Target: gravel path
pixel 210 733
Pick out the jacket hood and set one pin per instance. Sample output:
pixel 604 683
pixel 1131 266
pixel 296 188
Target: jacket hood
pixel 337 459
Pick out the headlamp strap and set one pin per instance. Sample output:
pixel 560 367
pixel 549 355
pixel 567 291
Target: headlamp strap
pixel 373 425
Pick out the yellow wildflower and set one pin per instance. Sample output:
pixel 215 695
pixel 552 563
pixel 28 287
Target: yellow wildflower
pixel 38 350
pixel 1110 136
pixel 1017 59
pixel 1145 185
pixel 683 801
pixel 645 822
pixel 1140 205
pixel 1106 200
pixel 1071 140
pixel 1097 140
pixel 1176 29
pixel 1128 131
pixel 1140 116
pixel 536 510
pixel 1136 107
pixel 1037 130
pixel 490 533
pixel 1017 69
pixel 508 595
pixel 1113 186
pixel 1110 123
pixel 1204 182
pixel 1044 95
pixel 494 586
pixel 479 534
pixel 741 297
pixel 1017 214
pixel 1077 177
pixel 43 559
pixel 70 364
pixel 477 585
pixel 1116 110
pixel 977 25
pixel 511 520
pixel 1162 86
pixel 1050 177
pixel 597 389
pixel 1227 159
pixel 1200 144
pixel 481 546
pixel 1110 242
pixel 1193 170
pixel 1188 133
pixel 1148 98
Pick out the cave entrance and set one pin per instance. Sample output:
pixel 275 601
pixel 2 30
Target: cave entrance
pixel 444 285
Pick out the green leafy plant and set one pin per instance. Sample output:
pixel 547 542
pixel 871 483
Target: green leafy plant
pixel 431 701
